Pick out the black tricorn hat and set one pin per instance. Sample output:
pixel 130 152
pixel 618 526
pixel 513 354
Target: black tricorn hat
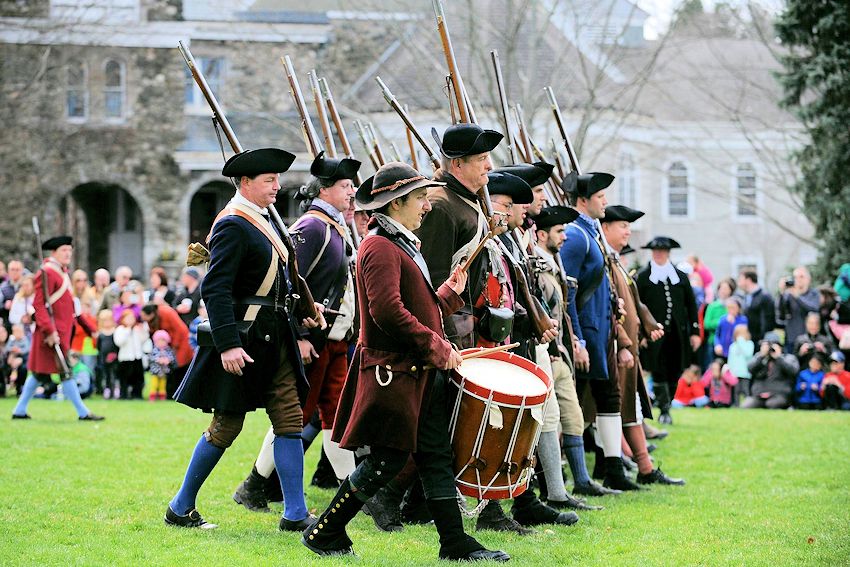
pixel 661 243
pixel 627 249
pixel 251 163
pixel 393 180
pixel 466 139
pixel 332 170
pixel 586 184
pixel 551 216
pixel 56 242
pixel 500 183
pixel 621 213
pixel 533 173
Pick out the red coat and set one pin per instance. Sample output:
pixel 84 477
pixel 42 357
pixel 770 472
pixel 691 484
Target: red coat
pixel 42 358
pixel 687 393
pixel 401 331
pixel 169 320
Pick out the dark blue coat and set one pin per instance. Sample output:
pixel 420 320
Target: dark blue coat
pixel 239 259
pixel 583 260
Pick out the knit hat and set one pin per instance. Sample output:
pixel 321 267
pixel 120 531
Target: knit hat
pixel 163 335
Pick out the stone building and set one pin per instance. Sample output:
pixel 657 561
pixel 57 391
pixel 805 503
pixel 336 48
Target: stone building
pixel 110 140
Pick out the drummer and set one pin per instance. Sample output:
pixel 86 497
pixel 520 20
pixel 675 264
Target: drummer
pixel 394 400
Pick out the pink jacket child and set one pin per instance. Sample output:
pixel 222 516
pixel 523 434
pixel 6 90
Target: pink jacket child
pixel 720 381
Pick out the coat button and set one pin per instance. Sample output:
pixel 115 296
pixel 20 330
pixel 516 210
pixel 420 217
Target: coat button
pixel 389 367
pixel 413 369
pixel 268 338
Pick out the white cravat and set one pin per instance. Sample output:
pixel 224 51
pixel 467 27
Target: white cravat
pixel 659 273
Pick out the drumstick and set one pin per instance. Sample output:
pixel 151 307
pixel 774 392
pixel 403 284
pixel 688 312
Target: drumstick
pixel 477 251
pixel 486 351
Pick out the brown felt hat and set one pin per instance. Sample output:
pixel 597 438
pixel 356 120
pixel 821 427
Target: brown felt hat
pixel 393 180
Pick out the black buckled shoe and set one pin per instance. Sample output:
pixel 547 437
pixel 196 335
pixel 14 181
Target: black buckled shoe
pixel 192 519
pixel 25 416
pixel 385 512
pixel 658 477
pixel 296 525
pixel 538 513
pixel 492 517
pixel 251 493
pixel 594 489
pixel 479 555
pixel 91 417
pixel 571 503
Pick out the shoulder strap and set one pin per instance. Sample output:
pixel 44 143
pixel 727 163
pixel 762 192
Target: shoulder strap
pixel 321 215
pixel 258 222
pixel 66 283
pixel 586 238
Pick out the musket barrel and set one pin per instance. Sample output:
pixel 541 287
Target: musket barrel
pixel 330 147
pixel 390 98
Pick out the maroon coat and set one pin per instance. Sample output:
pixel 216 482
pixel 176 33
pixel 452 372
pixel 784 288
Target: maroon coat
pixel 401 332
pixel 42 358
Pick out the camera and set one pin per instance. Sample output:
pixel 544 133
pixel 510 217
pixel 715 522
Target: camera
pixel 789 281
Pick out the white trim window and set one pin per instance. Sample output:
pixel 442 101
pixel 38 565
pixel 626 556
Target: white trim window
pixel 627 180
pixel 114 89
pixel 677 203
pixel 746 191
pixel 213 71
pixel 76 91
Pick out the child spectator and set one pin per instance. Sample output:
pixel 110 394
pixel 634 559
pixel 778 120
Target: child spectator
pixel 81 374
pixel 162 363
pixel 714 312
pixel 130 337
pixel 690 391
pixel 835 388
pixel 719 382
pixel 809 385
pixel 107 356
pixel 726 326
pixel 740 353
pixel 131 299
pixel 15 354
pixel 193 326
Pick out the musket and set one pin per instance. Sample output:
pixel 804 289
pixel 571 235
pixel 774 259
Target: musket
pixel 391 100
pixel 528 152
pixel 451 61
pixel 308 308
pixel 503 105
pixel 413 161
pixel 396 152
pixel 559 121
pixel 311 138
pixel 65 368
pixel 554 179
pixel 558 161
pixel 449 89
pixel 335 118
pixel 330 147
pixel 361 131
pixel 376 144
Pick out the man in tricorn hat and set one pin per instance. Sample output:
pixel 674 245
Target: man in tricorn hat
pixel 395 397
pixel 638 323
pixel 52 336
pixel 593 315
pixel 325 252
pixel 667 292
pixel 251 360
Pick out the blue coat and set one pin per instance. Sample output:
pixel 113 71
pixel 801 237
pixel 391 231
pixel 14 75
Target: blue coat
pixel 583 260
pixel 805 394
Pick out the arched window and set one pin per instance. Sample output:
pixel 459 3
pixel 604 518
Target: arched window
pixel 746 191
pixel 113 89
pixel 627 180
pixel 76 91
pixel 678 191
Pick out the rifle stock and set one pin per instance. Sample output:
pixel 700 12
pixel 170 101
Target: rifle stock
pixel 311 138
pixel 330 147
pixel 451 61
pixel 337 121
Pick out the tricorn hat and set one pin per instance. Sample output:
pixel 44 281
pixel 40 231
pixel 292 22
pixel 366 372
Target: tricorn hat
pixel 661 243
pixel 586 184
pixel 621 213
pixel 551 216
pixel 499 183
pixel 533 173
pixel 627 249
pixel 393 180
pixel 466 139
pixel 251 163
pixel 56 242
pixel 332 170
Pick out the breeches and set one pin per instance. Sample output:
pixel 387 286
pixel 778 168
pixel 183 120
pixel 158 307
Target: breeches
pixel 433 454
pixel 572 419
pixel 326 375
pixel 606 394
pixel 282 407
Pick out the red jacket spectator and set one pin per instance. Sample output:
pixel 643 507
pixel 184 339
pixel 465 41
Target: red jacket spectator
pixel 688 392
pixel 166 317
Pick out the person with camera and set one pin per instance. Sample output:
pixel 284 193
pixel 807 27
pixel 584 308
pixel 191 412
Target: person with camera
pixel 796 300
pixel 759 307
pixel 773 375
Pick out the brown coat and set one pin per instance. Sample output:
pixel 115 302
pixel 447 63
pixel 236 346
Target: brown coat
pixel 401 332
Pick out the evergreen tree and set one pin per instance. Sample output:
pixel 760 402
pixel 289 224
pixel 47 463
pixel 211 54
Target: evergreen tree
pixel 816 81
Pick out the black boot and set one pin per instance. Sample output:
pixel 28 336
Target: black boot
pixel 492 517
pixel 658 477
pixel 384 507
pixel 615 475
pixel 598 464
pixel 326 536
pixel 272 488
pixel 324 477
pixel 251 492
pixel 414 510
pixel 455 544
pixel 662 398
pixel 528 510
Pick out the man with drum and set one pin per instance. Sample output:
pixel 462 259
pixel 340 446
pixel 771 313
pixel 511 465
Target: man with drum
pixel 638 323
pixel 594 313
pixel 394 399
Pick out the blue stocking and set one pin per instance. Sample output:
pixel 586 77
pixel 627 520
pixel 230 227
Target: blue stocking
pixel 289 462
pixel 204 460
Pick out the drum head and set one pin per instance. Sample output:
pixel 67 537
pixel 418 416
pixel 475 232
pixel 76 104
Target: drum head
pixel 508 376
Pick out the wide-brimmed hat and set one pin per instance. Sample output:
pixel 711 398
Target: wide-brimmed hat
pixel 661 243
pixel 552 216
pixel 56 242
pixel 533 173
pixel 393 180
pixel 586 184
pixel 251 163
pixel 466 139
pixel 516 188
pixel 621 213
pixel 332 169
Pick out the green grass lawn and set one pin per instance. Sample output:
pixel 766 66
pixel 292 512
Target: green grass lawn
pixel 764 488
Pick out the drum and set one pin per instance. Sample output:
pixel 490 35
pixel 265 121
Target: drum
pixel 495 423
